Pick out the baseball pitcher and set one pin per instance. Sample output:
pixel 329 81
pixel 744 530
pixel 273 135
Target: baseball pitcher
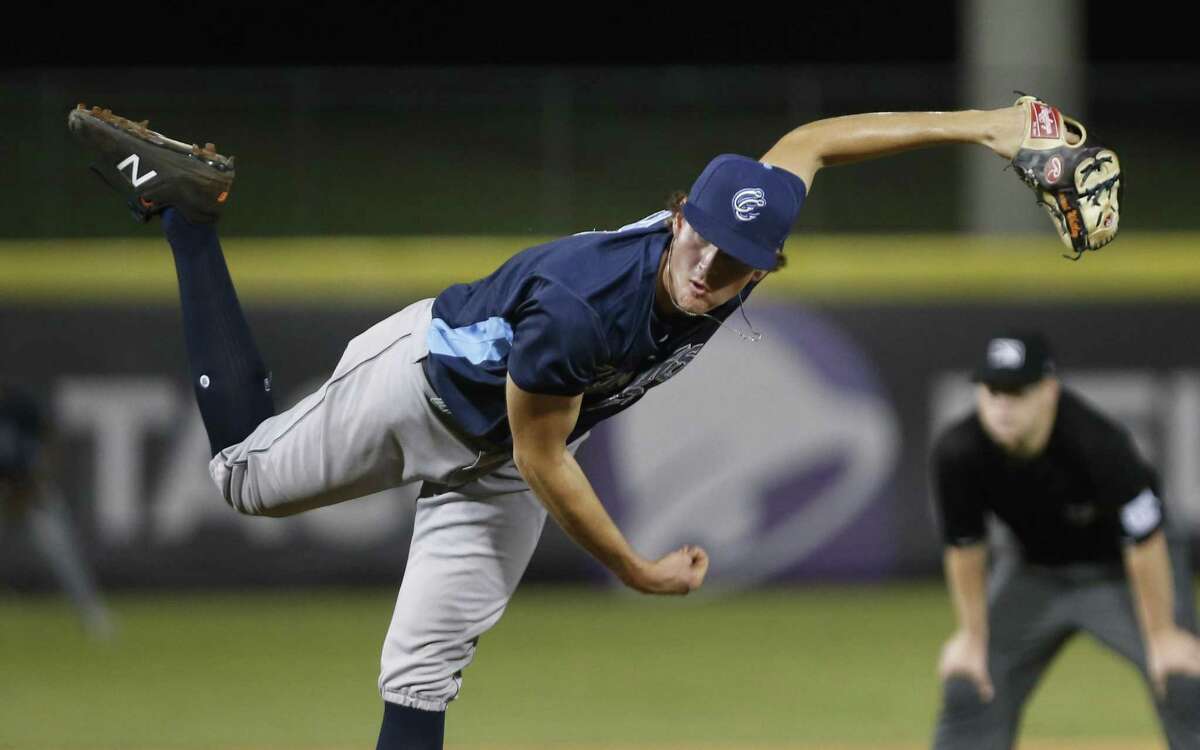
pixel 483 393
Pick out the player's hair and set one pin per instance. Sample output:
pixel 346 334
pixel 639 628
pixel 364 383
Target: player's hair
pixel 675 206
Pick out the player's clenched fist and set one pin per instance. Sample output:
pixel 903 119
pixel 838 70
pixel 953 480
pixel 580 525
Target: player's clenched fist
pixel 678 572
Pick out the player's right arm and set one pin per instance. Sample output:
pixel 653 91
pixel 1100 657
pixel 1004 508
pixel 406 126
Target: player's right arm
pixel 541 425
pixel 965 557
pixel 965 653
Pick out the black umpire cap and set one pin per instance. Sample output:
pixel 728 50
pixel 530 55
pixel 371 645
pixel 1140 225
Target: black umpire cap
pixel 1015 360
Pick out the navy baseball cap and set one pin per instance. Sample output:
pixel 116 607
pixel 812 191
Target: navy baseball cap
pixel 745 207
pixel 1015 360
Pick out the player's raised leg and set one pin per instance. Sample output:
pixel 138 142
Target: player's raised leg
pixel 188 186
pixel 369 428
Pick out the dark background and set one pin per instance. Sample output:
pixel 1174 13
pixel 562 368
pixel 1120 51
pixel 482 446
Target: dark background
pixel 609 33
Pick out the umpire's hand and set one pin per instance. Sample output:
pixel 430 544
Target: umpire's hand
pixel 1172 651
pixel 965 655
pixel 679 572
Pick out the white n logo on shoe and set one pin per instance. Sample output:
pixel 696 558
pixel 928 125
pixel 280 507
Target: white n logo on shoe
pixel 136 162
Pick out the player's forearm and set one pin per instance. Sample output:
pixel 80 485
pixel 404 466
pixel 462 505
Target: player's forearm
pixel 852 138
pixel 966 577
pixel 562 487
pixel 1149 570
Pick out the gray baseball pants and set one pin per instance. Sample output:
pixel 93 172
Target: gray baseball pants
pixel 374 425
pixel 1032 612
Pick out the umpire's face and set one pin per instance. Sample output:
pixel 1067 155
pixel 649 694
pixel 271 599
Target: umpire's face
pixel 697 276
pixel 1019 419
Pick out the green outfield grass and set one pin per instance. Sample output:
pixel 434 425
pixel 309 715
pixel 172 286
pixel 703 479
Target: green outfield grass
pixel 797 669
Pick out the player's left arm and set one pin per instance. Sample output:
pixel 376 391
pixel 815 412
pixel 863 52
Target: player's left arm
pixel 851 138
pixel 1128 488
pixel 1169 648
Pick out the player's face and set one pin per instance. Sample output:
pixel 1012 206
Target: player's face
pixel 699 276
pixel 1019 420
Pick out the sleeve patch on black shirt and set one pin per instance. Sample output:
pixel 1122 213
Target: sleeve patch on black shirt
pixel 1141 515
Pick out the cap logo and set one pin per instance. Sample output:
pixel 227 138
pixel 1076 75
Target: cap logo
pixel 746 201
pixel 1006 354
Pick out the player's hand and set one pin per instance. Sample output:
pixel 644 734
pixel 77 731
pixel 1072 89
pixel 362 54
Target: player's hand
pixel 678 572
pixel 966 656
pixel 1174 651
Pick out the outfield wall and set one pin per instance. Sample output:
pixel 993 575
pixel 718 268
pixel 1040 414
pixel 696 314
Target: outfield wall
pixel 813 467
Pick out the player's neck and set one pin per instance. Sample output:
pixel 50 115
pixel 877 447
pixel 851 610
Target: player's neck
pixel 664 303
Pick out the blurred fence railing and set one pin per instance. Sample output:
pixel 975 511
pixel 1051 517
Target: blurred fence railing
pixel 515 150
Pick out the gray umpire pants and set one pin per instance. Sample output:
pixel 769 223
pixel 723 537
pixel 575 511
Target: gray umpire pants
pixel 1032 612
pixel 374 425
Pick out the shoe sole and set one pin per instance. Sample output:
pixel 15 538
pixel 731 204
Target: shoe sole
pixel 208 171
pixel 82 118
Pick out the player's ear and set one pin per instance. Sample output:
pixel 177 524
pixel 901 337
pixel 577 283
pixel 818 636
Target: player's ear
pixel 758 276
pixel 1052 388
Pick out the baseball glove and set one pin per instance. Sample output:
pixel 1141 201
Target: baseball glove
pixel 1078 183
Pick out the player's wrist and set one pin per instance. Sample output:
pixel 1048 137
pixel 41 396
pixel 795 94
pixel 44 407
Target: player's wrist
pixel 634 571
pixel 1159 635
pixel 1003 130
pixel 972 635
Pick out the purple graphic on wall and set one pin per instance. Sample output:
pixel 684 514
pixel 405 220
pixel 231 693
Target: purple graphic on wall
pixel 772 455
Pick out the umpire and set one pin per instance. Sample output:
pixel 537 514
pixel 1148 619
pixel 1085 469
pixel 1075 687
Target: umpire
pixel 1090 552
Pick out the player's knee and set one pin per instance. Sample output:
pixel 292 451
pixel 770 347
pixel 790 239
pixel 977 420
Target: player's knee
pixel 1182 700
pixel 961 699
pixel 238 493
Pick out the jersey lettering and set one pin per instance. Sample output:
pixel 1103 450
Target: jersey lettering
pixel 656 375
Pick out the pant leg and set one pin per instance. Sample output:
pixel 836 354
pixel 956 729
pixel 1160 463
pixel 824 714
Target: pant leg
pixel 54 535
pixel 470 548
pixel 1026 629
pixel 368 428
pixel 1106 610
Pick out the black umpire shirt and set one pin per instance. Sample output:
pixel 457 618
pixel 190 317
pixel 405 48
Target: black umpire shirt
pixel 1085 495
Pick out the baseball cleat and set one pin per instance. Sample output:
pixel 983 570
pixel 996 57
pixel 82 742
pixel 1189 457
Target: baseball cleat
pixel 151 170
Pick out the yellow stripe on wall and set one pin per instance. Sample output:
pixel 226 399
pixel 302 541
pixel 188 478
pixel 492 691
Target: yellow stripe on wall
pixel 824 268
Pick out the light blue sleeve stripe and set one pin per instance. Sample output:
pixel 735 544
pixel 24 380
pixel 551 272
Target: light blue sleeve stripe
pixel 486 341
pixel 650 221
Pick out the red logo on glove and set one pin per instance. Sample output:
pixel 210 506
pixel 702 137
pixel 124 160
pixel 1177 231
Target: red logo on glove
pixel 1053 169
pixel 1043 121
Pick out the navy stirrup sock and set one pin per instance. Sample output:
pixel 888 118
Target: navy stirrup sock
pixel 231 382
pixel 407 728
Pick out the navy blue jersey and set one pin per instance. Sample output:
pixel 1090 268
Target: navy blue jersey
pixel 573 316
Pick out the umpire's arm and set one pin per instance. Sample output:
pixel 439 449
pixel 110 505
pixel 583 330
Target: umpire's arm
pixel 965 653
pixel 844 140
pixel 541 425
pixel 1169 649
